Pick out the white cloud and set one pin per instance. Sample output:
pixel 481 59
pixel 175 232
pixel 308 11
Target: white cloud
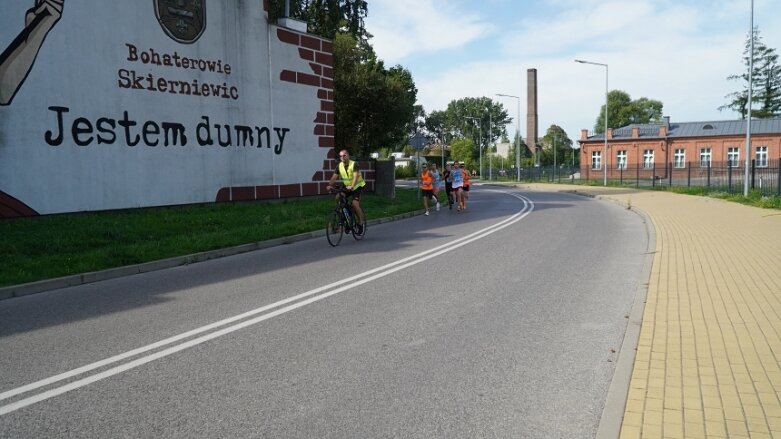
pixel 405 27
pixel 677 52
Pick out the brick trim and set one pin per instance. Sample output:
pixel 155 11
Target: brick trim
pixel 296 190
pixel 10 207
pixel 317 52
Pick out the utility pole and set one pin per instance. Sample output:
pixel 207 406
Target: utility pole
pixel 490 140
pixel 554 158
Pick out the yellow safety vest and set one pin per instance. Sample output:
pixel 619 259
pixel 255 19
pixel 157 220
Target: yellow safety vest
pixel 347 175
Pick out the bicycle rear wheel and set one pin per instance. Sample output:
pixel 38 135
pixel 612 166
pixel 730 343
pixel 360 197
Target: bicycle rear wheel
pixel 334 230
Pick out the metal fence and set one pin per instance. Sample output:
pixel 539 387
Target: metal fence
pixel 764 178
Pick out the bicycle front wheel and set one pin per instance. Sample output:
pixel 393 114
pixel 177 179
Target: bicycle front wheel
pixel 334 230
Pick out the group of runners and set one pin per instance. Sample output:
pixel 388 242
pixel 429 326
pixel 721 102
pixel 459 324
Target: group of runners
pixel 456 182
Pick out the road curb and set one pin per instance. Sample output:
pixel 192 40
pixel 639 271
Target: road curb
pixel 26 289
pixel 618 392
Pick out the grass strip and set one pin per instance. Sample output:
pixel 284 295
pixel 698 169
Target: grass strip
pixel 51 246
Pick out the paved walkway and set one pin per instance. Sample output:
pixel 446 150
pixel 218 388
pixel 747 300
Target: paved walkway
pixel 708 354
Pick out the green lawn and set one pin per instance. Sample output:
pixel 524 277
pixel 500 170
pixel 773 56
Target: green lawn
pixel 52 246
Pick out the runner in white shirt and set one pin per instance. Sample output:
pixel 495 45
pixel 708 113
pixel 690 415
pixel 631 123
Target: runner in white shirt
pixel 437 182
pixel 458 184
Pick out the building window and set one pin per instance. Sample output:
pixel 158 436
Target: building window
pixel 680 158
pixel 733 157
pixel 761 158
pixel 648 158
pixel 621 159
pixel 705 155
pixel 596 160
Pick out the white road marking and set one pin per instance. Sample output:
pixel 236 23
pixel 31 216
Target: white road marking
pixel 326 290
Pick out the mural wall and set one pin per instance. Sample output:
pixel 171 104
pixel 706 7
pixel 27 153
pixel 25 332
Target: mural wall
pixel 108 105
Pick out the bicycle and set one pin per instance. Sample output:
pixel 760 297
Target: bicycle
pixel 342 220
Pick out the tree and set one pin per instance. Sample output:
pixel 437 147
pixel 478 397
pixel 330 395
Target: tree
pixel 326 18
pixel 623 111
pixel 375 107
pixel 479 119
pixel 397 111
pixel 435 125
pixel 765 78
pixel 525 155
pixel 463 151
pixel 556 138
pixel 418 123
pixel 491 119
pixel 356 76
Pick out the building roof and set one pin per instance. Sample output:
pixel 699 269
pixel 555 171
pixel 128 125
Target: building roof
pixel 696 129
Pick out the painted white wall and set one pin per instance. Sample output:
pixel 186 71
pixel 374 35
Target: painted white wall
pixel 80 66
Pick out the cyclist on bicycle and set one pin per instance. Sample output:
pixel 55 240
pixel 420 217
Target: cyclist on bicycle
pixel 353 181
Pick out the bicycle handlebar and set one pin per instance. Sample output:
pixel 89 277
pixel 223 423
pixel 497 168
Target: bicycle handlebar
pixel 338 187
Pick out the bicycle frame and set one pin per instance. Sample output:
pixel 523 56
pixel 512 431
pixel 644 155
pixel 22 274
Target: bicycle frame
pixel 343 219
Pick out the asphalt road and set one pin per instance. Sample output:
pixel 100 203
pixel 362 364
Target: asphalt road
pixel 502 321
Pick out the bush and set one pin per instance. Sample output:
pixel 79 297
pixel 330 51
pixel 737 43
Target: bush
pixel 406 171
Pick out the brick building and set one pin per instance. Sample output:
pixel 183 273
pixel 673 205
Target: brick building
pixel 656 149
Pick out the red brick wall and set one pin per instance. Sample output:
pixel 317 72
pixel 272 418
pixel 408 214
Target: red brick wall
pixel 318 52
pixel 665 153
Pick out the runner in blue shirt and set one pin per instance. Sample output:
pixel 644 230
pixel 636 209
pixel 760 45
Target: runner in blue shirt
pixel 458 184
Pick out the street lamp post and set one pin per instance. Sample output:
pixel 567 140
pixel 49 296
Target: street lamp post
pixel 480 146
pixel 490 140
pixel 604 159
pixel 572 147
pixel 554 159
pixel 518 140
pixel 748 103
pixel 480 143
pixel 442 146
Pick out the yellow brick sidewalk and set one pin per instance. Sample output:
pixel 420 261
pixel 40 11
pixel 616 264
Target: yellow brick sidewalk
pixel 708 355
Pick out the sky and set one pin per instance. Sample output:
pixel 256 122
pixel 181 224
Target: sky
pixel 679 52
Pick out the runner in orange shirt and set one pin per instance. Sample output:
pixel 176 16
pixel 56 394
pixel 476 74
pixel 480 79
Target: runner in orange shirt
pixel 466 186
pixel 426 185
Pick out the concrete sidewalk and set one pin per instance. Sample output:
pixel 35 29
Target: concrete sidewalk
pixel 708 354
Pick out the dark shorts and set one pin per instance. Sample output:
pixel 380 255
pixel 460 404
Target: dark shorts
pixel 448 187
pixel 466 188
pixel 428 193
pixel 355 193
